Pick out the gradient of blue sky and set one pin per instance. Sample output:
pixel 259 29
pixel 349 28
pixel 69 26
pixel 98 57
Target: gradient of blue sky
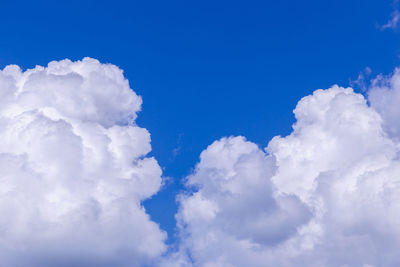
pixel 207 69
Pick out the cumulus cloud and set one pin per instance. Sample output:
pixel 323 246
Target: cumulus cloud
pixel 326 195
pixel 73 169
pixel 384 96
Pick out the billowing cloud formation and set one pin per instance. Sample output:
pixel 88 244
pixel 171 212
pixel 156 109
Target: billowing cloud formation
pixel 73 173
pixel 384 96
pixel 73 169
pixel 326 195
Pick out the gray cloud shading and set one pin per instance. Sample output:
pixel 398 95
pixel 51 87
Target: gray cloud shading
pixel 73 169
pixel 326 195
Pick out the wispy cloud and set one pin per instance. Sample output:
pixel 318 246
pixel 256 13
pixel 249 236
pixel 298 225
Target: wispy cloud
pixel 362 81
pixel 393 22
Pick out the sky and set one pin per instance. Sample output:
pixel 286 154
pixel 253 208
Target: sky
pixel 198 72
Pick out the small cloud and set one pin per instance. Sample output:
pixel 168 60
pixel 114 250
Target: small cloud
pixel 362 80
pixel 393 22
pixel 177 150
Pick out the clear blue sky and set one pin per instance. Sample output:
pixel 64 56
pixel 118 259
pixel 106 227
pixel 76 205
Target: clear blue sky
pixel 207 69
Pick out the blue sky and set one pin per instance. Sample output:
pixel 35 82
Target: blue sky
pixel 207 69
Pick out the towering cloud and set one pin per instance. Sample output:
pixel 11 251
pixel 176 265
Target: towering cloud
pixel 326 195
pixel 73 169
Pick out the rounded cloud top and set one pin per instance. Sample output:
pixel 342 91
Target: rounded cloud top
pixel 325 195
pixel 73 169
pixel 85 90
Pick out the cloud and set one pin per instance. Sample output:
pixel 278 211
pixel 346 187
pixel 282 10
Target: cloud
pixel 394 20
pixel 363 80
pixel 384 96
pixel 73 169
pixel 326 195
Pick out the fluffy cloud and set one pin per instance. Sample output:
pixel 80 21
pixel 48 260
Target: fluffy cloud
pixel 73 169
pixel 384 96
pixel 326 195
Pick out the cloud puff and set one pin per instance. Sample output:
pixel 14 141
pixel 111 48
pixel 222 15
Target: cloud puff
pixel 326 195
pixel 73 169
pixel 384 96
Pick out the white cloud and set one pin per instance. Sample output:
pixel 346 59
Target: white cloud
pixel 73 169
pixel 326 195
pixel 384 96
pixel 394 19
pixel 393 22
pixel 73 173
pixel 235 213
